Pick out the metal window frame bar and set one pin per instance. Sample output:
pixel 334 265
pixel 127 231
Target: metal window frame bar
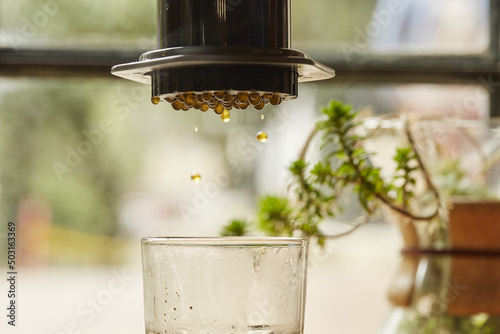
pixel 494 75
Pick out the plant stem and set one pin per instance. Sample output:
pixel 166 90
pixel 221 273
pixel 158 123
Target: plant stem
pixel 422 167
pixel 303 152
pixel 366 219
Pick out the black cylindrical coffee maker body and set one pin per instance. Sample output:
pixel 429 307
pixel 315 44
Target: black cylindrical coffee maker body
pixel 204 30
pixel 254 23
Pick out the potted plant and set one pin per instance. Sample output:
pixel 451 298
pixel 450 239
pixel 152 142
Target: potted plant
pixel 418 190
pixel 346 167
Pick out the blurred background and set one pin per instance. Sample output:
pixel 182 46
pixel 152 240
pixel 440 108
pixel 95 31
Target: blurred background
pixel 89 166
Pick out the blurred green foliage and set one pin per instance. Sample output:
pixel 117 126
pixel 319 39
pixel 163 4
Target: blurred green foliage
pixel 322 25
pixel 452 180
pixel 41 122
pixel 79 23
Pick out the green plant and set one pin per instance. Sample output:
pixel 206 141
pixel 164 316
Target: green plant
pixel 346 166
pixel 454 182
pixel 443 323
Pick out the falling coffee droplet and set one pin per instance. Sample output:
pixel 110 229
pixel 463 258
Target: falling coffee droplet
pixel 262 116
pixel 225 116
pixel 196 177
pixel 262 136
pixel 155 99
pixel 195 129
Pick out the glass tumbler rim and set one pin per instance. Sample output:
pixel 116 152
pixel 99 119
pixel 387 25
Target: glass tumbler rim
pixel 232 241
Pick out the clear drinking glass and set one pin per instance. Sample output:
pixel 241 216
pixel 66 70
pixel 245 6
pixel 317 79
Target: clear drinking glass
pixel 224 285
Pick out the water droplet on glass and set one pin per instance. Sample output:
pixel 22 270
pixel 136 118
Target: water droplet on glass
pixel 155 99
pixel 262 136
pixel 257 258
pixel 196 177
pixel 225 116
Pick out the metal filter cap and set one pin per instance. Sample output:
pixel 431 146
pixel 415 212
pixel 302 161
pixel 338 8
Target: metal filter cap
pixel 223 54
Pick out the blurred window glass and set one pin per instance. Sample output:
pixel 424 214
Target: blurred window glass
pixel 455 27
pixel 78 24
pixel 343 26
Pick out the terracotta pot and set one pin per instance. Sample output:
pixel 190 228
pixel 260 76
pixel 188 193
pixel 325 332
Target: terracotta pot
pixel 475 226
